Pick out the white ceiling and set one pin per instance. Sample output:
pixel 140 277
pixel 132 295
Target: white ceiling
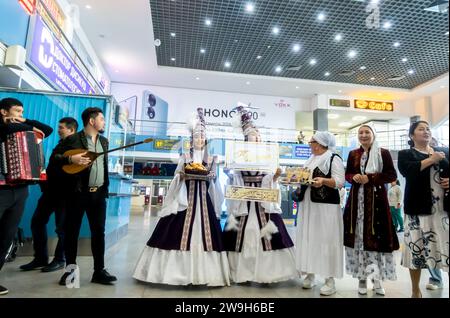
pixel 121 33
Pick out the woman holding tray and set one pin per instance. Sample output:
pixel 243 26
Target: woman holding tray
pixel 258 244
pixel 187 246
pixel 319 248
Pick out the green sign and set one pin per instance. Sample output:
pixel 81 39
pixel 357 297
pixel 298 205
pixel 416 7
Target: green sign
pixel 340 102
pixel 166 144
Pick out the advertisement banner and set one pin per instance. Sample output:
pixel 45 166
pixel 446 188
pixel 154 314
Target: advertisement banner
pixel 50 58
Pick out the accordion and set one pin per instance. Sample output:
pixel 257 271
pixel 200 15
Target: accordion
pixel 22 158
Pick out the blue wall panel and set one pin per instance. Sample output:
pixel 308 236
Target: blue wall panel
pixel 13 23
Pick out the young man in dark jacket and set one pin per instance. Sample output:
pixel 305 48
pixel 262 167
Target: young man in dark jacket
pixel 13 197
pixel 87 192
pixel 53 199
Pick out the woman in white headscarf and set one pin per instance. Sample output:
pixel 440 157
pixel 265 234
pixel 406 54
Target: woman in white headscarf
pixel 319 248
pixel 369 234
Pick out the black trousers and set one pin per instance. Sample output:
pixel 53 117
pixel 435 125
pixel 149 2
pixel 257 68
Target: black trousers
pixel 12 204
pixel 48 203
pixel 94 204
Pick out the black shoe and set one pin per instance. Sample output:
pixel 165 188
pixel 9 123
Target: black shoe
pixel 3 290
pixel 53 266
pixel 103 277
pixel 34 264
pixel 63 279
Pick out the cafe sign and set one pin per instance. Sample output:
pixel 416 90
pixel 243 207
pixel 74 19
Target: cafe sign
pixel 374 105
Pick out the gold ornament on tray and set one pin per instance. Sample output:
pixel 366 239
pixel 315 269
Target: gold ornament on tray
pixel 297 175
pixel 195 168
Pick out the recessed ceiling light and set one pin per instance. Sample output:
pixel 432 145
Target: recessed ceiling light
pixel 411 72
pixel 297 87
pixel 338 37
pixel 88 7
pixel 404 60
pixel 372 78
pixel 387 25
pixel 327 74
pixel 248 83
pixel 345 124
pixel 339 91
pixel 333 116
pixel 359 118
pixel 173 34
pixel 269 46
pixel 321 16
pixel 203 51
pixel 227 64
pixel 208 22
pixel 396 44
pixel 313 62
pixel 443 86
pixel 374 1
pixel 446 33
pixel 276 30
pixel 352 54
pixel 117 71
pixel 362 68
pixel 173 59
pixel 296 47
pixel 259 57
pixel 197 78
pixel 278 69
pixel 249 7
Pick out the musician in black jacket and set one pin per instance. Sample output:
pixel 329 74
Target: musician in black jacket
pixel 87 192
pixel 53 199
pixel 12 198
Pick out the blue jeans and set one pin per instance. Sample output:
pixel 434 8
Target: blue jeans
pixel 436 276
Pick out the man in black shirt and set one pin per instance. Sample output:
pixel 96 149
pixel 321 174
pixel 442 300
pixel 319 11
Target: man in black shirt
pixel 53 199
pixel 12 198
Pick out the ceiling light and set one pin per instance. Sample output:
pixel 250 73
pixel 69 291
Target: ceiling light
pixel 327 73
pixel 362 68
pixel 345 124
pixel 440 6
pixel 248 83
pixel 278 69
pixel 88 7
pixel 333 116
pixel 443 86
pixel 117 71
pixel 173 59
pixel 352 54
pixel 313 62
pixel 259 57
pixel 296 47
pixel 208 22
pixel 446 33
pixel 339 91
pixel 275 30
pixel 374 1
pixel 338 37
pixel 359 118
pixel 387 25
pixel 227 64
pixel 269 46
pixel 411 72
pixel 372 78
pixel 197 78
pixel 404 60
pixel 396 44
pixel 297 87
pixel 203 51
pixel 173 34
pixel 321 16
pixel 249 7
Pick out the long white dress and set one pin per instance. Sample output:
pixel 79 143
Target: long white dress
pixel 320 232
pixel 193 265
pixel 253 263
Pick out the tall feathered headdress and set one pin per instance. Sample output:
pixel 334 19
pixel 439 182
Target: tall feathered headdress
pixel 244 119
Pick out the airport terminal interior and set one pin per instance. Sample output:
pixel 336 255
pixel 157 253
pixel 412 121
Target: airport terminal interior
pixel 224 149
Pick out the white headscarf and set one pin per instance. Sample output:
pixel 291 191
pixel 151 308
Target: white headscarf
pixel 322 161
pixel 375 161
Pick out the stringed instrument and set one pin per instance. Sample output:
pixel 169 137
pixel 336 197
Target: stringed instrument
pixel 74 168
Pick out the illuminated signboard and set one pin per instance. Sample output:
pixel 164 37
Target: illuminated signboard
pixel 340 102
pixel 28 5
pixel 374 105
pixel 55 11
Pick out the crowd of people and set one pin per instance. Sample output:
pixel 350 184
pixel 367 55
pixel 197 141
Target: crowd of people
pixel 188 245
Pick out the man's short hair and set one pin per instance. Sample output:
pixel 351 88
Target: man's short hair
pixel 8 103
pixel 71 123
pixel 91 112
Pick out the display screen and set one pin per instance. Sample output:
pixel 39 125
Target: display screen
pixel 340 102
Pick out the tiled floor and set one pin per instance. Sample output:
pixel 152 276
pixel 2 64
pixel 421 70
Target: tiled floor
pixel 121 259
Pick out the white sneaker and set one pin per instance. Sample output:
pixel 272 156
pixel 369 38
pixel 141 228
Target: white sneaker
pixel 378 288
pixel 308 282
pixel 362 287
pixel 431 286
pixel 329 288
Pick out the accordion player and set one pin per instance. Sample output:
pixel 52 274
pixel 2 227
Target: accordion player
pixel 22 158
